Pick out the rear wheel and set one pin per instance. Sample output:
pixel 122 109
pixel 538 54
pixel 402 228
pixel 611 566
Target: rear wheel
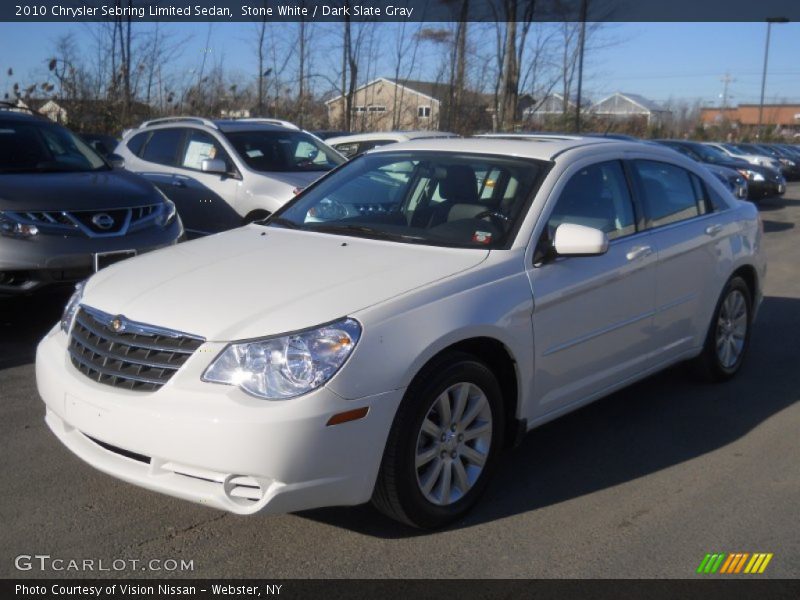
pixel 444 444
pixel 728 335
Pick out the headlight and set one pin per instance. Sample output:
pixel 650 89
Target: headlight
pixel 10 227
pixel 72 307
pixel 168 212
pixel 287 366
pixel 752 175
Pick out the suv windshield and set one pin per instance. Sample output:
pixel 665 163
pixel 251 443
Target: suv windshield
pixel 266 150
pixel 34 147
pixel 436 198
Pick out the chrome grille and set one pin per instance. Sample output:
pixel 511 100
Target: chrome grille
pixel 83 221
pixel 133 355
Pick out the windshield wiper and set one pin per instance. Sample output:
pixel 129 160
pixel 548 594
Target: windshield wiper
pixel 279 221
pixel 367 231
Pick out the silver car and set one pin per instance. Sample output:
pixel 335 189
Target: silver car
pixel 64 212
pixel 222 174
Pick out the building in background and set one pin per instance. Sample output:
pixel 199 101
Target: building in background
pixel 783 118
pixel 621 106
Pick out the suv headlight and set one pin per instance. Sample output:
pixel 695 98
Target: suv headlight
pixel 168 211
pixel 10 227
pixel 286 366
pixel 72 307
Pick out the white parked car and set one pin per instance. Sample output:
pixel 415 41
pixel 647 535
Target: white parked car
pixel 390 330
pixel 223 173
pixel 350 145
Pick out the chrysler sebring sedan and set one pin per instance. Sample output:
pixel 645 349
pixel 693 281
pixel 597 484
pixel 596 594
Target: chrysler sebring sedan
pixel 389 331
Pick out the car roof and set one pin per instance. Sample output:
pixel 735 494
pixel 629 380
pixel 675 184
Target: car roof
pixel 539 148
pixel 223 125
pixel 7 114
pixel 397 136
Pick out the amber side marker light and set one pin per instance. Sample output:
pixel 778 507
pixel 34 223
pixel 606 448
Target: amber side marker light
pixel 348 415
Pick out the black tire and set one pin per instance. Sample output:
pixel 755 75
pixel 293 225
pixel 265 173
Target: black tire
pixel 708 366
pixel 255 215
pixel 397 491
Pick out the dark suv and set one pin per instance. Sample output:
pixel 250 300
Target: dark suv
pixel 65 212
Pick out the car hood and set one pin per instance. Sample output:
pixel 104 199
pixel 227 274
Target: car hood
pixel 257 281
pixel 74 191
pixel 295 179
pixel 723 171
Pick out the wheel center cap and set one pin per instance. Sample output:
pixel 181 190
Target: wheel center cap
pixel 450 441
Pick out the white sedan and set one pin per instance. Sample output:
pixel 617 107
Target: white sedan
pixel 389 331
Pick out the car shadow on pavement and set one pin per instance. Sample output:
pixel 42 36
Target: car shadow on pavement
pixel 657 423
pixel 23 322
pixel 776 226
pixel 776 203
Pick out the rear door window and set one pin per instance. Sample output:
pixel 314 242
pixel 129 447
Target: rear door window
pixel 669 195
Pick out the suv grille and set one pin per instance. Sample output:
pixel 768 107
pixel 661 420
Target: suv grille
pixel 92 223
pixel 132 355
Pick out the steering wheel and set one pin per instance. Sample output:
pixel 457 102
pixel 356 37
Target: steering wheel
pixel 496 217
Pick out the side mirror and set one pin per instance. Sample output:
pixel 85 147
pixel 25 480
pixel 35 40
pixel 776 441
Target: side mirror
pixel 213 165
pixel 572 239
pixel 115 160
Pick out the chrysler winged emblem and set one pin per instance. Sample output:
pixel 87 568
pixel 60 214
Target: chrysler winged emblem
pixel 117 324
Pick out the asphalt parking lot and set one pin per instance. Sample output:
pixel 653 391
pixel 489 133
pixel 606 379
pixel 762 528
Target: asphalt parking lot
pixel 641 484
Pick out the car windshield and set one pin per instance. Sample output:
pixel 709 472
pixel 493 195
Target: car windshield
pixel 34 147
pixel 435 198
pixel 711 154
pixel 269 151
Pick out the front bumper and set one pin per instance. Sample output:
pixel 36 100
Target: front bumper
pixel 763 189
pixel 214 444
pixel 27 265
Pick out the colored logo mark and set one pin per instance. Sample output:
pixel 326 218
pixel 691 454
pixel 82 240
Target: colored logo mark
pixel 736 562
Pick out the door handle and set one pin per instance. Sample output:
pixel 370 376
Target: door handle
pixel 639 252
pixel 713 229
pixel 178 183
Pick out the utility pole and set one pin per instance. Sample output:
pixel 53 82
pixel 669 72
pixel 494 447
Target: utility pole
pixel 581 42
pixel 726 80
pixel 770 21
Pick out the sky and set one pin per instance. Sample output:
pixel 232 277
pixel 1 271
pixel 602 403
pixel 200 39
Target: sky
pixel 657 60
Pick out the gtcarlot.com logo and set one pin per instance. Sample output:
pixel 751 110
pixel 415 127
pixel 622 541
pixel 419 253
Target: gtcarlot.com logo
pixel 734 563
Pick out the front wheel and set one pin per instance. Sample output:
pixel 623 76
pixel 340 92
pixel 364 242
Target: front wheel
pixel 443 445
pixel 729 334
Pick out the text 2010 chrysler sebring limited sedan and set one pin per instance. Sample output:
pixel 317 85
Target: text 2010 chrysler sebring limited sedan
pixel 385 334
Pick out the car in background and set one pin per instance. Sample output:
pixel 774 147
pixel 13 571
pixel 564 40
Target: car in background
pixel 222 174
pixel 761 181
pixel 735 181
pixel 737 152
pixel 351 145
pixel 790 163
pixel 324 134
pixel 65 212
pixel 102 143
pixel 332 355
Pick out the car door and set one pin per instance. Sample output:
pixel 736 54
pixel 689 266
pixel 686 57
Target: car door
pixel 593 315
pixel 157 152
pixel 205 201
pixel 688 232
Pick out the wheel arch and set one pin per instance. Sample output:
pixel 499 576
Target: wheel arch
pixel 500 360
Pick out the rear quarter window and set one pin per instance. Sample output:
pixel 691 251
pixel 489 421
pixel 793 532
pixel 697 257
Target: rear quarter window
pixel 162 147
pixel 136 143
